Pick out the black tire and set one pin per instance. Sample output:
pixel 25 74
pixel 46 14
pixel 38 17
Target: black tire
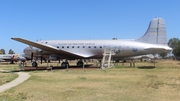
pixel 34 64
pixel 80 63
pixel 64 64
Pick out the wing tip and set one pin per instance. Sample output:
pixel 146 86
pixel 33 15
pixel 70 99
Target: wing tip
pixel 13 38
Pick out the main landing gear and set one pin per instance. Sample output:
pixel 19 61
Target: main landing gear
pixel 80 63
pixel 66 63
pixel 34 64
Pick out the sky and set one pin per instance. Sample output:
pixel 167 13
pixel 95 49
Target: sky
pixel 82 20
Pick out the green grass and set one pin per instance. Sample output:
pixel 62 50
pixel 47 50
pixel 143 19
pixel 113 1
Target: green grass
pixel 122 83
pixel 7 77
pixel 10 67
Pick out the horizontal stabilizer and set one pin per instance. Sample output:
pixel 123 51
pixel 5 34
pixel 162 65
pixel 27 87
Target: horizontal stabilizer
pixel 155 49
pixel 159 50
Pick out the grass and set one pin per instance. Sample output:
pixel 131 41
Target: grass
pixel 122 83
pixel 11 67
pixel 7 77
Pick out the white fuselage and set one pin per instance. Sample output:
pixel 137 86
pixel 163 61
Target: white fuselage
pixel 94 48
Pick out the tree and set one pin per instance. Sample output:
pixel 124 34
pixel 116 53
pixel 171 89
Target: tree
pixel 3 51
pixel 173 42
pixel 163 54
pixel 176 50
pixel 11 51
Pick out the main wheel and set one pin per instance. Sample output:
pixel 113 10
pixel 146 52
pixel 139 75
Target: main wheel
pixel 64 64
pixel 34 64
pixel 80 63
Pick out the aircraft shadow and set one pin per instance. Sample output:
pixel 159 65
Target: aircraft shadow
pixel 28 68
pixel 147 67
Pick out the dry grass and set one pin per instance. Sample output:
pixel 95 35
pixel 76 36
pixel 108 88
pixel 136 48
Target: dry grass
pixel 7 77
pixel 116 84
pixel 6 66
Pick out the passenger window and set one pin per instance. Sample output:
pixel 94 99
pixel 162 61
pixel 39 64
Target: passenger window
pixel 67 46
pixel 77 46
pixel 89 47
pixel 57 46
pixel 100 47
pixel 72 46
pixel 83 46
pixel 94 46
pixel 62 46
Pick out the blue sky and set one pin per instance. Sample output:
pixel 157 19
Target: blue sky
pixel 82 19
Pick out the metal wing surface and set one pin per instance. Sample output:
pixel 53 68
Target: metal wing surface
pixel 51 49
pixel 2 60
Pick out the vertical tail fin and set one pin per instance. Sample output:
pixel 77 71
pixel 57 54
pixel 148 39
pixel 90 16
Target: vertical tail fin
pixel 156 32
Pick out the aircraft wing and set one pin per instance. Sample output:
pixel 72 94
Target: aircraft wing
pixel 2 60
pixel 52 49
